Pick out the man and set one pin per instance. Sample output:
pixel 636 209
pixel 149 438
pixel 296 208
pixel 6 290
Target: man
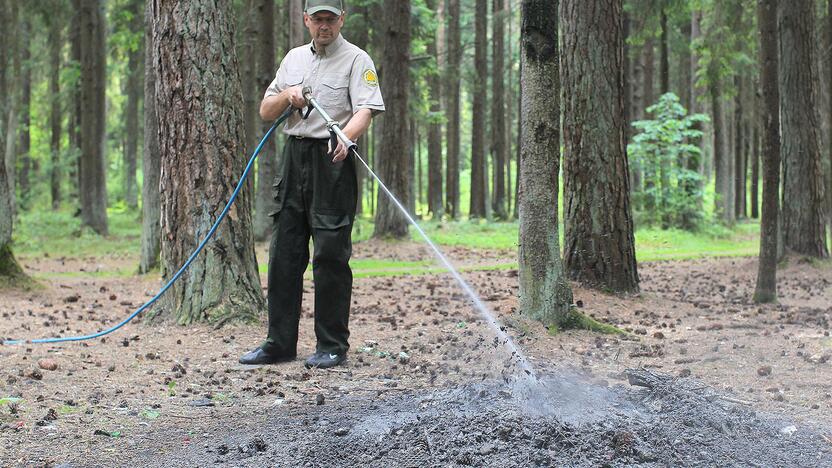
pixel 315 190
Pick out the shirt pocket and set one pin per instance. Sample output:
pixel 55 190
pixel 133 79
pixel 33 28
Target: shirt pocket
pixel 334 90
pixel 293 79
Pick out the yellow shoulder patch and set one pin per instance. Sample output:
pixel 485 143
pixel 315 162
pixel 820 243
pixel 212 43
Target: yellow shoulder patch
pixel 370 77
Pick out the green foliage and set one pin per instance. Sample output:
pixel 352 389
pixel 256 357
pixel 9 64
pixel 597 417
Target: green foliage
pixel 668 141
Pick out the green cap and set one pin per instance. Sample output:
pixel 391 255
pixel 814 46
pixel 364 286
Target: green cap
pixel 334 6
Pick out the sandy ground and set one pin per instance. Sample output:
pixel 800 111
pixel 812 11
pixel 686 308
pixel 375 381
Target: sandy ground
pixel 153 389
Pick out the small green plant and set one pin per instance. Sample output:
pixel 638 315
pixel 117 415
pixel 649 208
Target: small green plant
pixel 664 148
pixel 171 388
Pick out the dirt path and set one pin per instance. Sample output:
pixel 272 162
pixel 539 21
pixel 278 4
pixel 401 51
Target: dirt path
pixel 156 391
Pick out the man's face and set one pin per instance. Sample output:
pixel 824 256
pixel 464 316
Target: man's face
pixel 324 26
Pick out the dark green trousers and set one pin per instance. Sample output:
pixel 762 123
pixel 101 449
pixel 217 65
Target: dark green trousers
pixel 315 197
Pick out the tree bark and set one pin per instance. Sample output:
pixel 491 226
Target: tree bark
pixel 755 157
pixel 55 45
pixel 267 163
pixel 723 206
pixel 644 175
pixel 134 92
pixel 664 88
pixel 498 117
pixel 93 174
pixel 478 117
pixel 247 51
pixel 151 162
pixel 545 293
pixel 74 120
pixel 452 112
pixel 599 245
pixel 10 156
pixel 393 164
pixel 361 38
pixel 829 89
pixel 739 136
pixel 766 288
pixel 25 144
pixel 199 106
pixel 435 206
pixel 803 197
pixel 297 35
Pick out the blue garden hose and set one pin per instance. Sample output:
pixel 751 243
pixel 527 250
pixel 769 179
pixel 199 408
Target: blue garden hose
pixel 196 252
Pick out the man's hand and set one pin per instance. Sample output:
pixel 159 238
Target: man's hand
pixel 295 95
pixel 340 152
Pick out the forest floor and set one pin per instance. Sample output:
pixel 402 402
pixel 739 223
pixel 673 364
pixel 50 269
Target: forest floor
pixel 423 386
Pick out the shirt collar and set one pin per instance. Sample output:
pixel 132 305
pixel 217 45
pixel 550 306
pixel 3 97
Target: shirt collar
pixel 330 49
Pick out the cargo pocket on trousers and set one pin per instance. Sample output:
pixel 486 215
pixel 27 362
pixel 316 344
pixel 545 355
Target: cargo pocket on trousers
pixel 278 195
pixel 329 220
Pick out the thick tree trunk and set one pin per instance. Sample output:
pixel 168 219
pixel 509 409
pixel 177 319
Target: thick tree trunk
pixel 435 206
pixel 599 245
pixel 478 117
pixel 199 106
pixel 93 173
pixel 803 197
pixel 297 34
pixel 509 108
pixel 452 112
pixel 247 51
pixel 394 161
pixel 55 45
pixel 545 293
pixel 267 163
pixel 766 288
pixel 498 117
pixel 134 92
pixel 151 162
pixel 25 145
pixel 828 59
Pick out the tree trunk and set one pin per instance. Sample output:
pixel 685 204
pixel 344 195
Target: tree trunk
pixel 394 160
pixel 545 293
pixel 297 35
pixel 829 85
pixel 10 156
pixel 664 88
pixel 93 174
pixel 134 92
pixel 361 38
pixel 452 112
pixel 645 175
pixel 247 51
pixel 723 207
pixel 739 136
pixel 74 120
pixel 694 163
pixel 267 162
pixel 509 108
pixel 755 159
pixel 478 122
pixel 766 288
pixel 200 141
pixel 599 245
pixel 55 46
pixel 498 117
pixel 151 162
pixel 803 220
pixel 25 113
pixel 435 206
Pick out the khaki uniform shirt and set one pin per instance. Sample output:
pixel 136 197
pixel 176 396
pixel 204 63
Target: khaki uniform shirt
pixel 343 80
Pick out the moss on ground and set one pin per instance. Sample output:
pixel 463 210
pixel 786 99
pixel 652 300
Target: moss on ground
pixel 577 320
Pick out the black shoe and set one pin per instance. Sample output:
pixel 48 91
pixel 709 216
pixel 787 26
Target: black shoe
pixel 258 356
pixel 325 360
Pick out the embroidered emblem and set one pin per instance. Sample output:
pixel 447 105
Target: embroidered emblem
pixel 370 77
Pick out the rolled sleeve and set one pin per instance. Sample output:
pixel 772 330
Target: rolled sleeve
pixel 365 92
